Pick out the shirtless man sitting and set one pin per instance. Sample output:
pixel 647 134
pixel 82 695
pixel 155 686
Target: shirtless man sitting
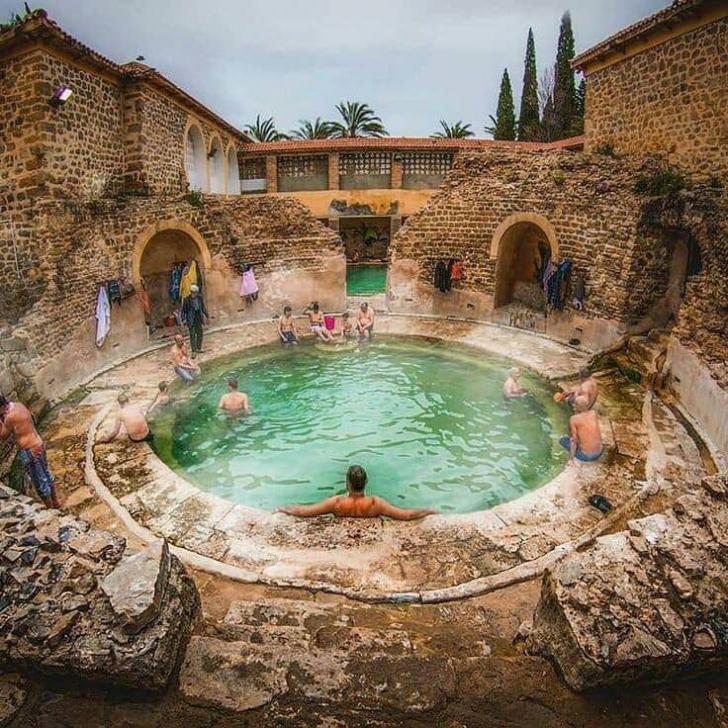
pixel 287 328
pixel 365 321
pixel 356 504
pixel 512 387
pixel 132 419
pixel 585 443
pixel 184 367
pixel 586 391
pixel 317 323
pixel 17 422
pixel 234 402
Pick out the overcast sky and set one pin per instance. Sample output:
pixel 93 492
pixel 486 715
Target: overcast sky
pixel 413 61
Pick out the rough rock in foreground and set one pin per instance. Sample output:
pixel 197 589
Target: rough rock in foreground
pixel 650 603
pixel 56 618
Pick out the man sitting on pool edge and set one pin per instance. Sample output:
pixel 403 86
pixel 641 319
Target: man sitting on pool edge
pixel 355 504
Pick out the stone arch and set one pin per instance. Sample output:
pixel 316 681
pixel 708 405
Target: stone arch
pixel 156 249
pixel 195 160
pixel 216 166
pixel 232 170
pixel 521 244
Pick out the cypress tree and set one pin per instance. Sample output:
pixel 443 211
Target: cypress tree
pixel 504 123
pixel 580 104
pixel 564 84
pixel 528 119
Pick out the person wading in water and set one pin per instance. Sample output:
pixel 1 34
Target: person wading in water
pixel 17 422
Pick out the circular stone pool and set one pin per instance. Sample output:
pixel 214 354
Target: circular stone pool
pixel 425 418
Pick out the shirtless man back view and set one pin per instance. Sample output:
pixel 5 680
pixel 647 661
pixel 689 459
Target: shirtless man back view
pixel 16 421
pixel 234 402
pixel 355 504
pixel 585 442
pixel 131 417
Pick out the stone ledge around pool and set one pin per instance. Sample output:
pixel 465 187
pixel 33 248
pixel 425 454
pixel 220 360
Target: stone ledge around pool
pixel 442 557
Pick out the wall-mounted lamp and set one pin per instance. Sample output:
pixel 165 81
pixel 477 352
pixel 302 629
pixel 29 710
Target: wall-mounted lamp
pixel 62 94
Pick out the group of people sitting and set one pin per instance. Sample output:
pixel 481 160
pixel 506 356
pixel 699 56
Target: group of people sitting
pixel 584 441
pixel 362 329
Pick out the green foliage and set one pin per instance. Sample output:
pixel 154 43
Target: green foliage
pixel 528 118
pixel 581 100
pixel 194 198
pixel 666 181
pixel 16 19
pixel 458 130
pixel 357 120
pixel 264 130
pixel 565 97
pixel 559 178
pixel 503 125
pixel 606 150
pixel 313 130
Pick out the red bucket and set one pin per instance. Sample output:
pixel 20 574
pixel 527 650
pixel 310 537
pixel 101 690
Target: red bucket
pixel 330 322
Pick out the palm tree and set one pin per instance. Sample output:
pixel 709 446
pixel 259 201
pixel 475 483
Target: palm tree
pixel 313 130
pixel 458 130
pixel 264 130
pixel 359 120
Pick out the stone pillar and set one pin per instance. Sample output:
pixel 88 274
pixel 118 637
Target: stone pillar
pixel 334 224
pixel 396 183
pixel 271 173
pixel 334 174
pixel 395 223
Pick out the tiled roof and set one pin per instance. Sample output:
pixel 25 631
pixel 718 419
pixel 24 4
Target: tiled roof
pixel 39 26
pixel 678 10
pixel 313 146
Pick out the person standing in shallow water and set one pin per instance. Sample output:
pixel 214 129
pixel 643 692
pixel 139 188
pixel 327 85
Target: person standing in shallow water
pixel 234 402
pixel 356 504
pixel 17 422
pixel 365 321
pixel 512 387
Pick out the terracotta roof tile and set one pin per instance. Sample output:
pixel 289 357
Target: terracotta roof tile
pixel 314 146
pixel 677 10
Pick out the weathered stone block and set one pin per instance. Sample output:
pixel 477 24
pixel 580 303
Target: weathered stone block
pixel 136 586
pixel 648 604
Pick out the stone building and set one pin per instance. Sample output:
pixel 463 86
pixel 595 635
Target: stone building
pixel 105 187
pixel 357 185
pixel 660 86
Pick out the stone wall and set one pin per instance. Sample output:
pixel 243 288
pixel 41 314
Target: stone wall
pixel 643 604
pixel 585 202
pixel 84 244
pixel 75 601
pixel 620 242
pixel 669 99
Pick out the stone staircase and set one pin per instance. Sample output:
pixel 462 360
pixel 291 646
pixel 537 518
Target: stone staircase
pixel 317 654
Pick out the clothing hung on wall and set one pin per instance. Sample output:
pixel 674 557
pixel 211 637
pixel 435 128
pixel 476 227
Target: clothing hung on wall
pixel 189 279
pixel 557 285
pixel 175 280
pixel 103 316
pixel 443 279
pixel 248 285
pixel 113 289
pixel 578 294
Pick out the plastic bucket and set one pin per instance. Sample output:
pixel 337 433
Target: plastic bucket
pixel 330 322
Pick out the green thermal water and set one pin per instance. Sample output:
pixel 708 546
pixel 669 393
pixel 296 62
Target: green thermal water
pixel 427 420
pixel 365 280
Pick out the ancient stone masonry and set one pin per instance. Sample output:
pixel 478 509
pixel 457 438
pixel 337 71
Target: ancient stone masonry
pixel 587 199
pixel 669 99
pixel 85 243
pixel 648 603
pixel 75 602
pixel 698 216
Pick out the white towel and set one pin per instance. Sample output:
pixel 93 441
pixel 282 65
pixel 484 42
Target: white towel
pixel 103 316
